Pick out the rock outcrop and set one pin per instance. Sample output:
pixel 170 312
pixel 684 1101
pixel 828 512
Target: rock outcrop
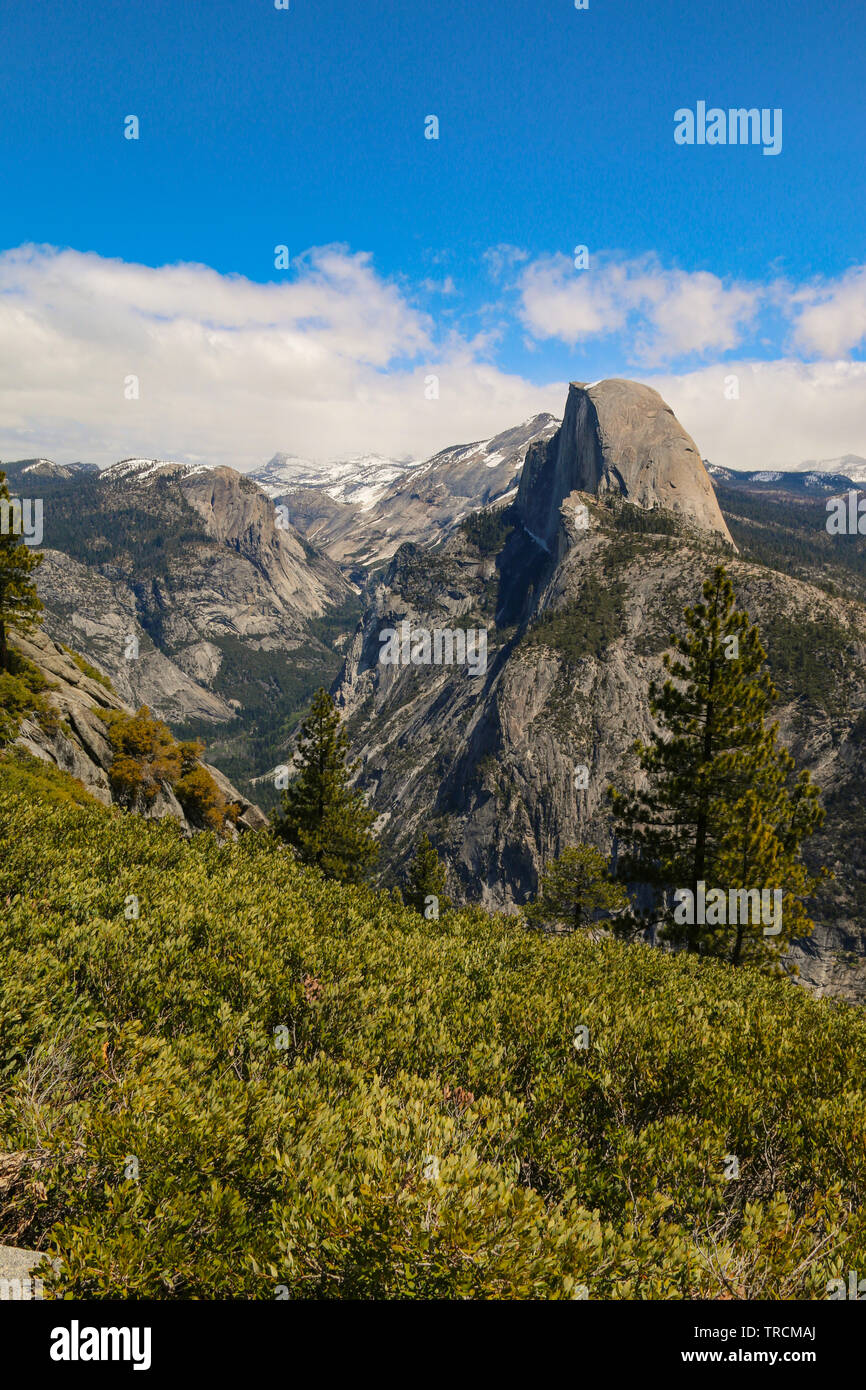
pixel 80 744
pixel 616 437
pixel 238 515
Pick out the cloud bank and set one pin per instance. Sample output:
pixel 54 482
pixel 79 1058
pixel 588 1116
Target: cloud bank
pixel 336 360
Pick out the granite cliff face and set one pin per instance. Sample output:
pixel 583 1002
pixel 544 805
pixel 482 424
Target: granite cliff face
pixel 187 568
pixel 188 588
pixel 617 437
pixel 486 764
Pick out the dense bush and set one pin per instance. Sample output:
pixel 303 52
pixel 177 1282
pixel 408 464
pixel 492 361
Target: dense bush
pixel 488 529
pixel 21 771
pixel 147 757
pixel 656 521
pixel 811 660
pixel 267 1079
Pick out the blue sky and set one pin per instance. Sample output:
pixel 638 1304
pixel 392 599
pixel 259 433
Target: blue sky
pixel 305 127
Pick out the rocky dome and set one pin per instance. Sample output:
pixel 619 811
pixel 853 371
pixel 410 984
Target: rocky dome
pixel 617 436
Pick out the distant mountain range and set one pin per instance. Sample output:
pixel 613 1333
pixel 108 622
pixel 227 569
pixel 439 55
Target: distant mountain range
pixel 798 482
pixel 178 583
pixel 848 465
pixel 574 545
pixel 358 481
pixel 360 520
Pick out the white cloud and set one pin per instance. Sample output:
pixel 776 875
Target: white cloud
pixel 834 319
pixel 502 259
pixel 330 362
pixel 787 411
pixel 668 313
pixel 446 286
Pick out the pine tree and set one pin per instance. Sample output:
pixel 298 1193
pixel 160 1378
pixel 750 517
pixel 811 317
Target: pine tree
pixel 322 817
pixel 20 607
pixel 574 888
pixel 426 879
pixel 723 805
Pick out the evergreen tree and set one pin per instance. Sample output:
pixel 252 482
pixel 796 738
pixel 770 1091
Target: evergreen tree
pixel 20 607
pixel 322 817
pixel 426 879
pixel 723 805
pixel 574 888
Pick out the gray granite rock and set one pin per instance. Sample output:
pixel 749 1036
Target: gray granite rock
pixel 617 437
pixel 21 1274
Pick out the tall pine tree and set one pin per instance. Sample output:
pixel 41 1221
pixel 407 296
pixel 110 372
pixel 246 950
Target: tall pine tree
pixel 574 889
pixel 425 880
pixel 322 816
pixel 20 607
pixel 723 805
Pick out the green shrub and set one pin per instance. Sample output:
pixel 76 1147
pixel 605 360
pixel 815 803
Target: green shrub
pixel 21 772
pixel 585 627
pixel 202 800
pixel 488 529
pixel 324 1091
pixel 22 695
pixel 147 757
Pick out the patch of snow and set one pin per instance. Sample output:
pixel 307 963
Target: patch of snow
pixel 141 469
pixel 359 480
pixel 851 466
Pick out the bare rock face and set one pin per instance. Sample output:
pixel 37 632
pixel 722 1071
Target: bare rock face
pixel 238 515
pixel 182 585
pixel 97 614
pixel 617 437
